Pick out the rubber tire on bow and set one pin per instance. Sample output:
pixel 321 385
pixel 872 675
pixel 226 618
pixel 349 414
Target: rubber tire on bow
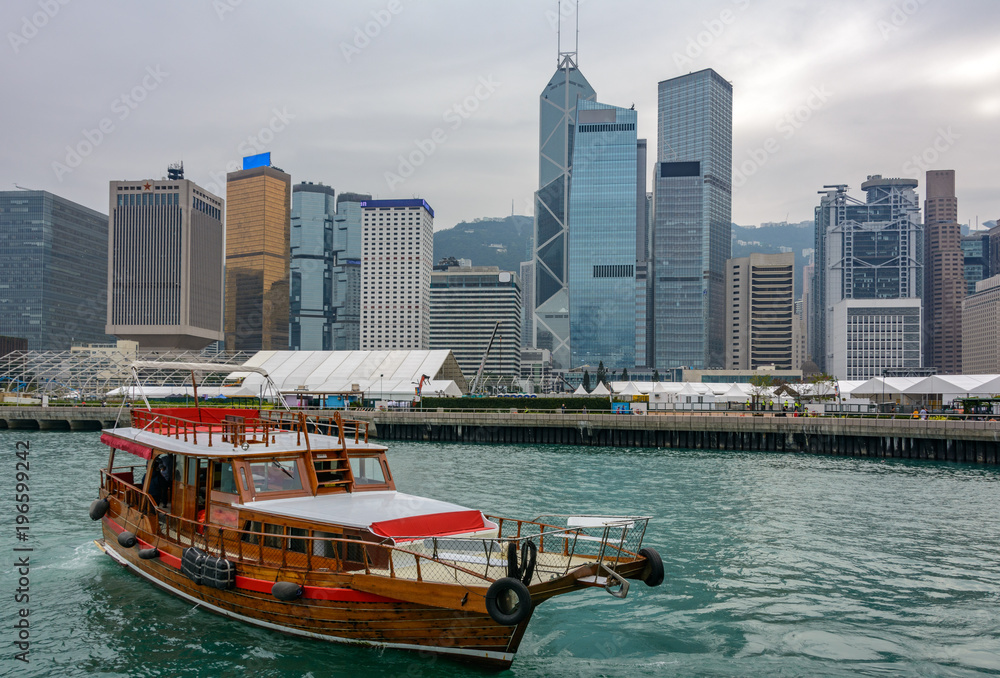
pixel 127 539
pixel 98 508
pixel 497 590
pixel 652 574
pixel 529 555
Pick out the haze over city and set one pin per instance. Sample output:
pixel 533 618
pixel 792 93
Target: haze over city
pixel 440 99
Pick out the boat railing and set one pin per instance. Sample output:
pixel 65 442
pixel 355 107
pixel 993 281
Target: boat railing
pixel 552 550
pixel 135 503
pixel 234 430
pixel 330 425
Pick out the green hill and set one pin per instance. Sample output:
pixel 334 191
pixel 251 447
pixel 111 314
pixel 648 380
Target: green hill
pixel 501 241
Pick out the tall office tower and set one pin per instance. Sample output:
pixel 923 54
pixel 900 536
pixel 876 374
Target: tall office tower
pixel 310 306
pixel 557 131
pixel 760 294
pixel 798 335
pixel 527 294
pixel 975 260
pixel 602 238
pixel 397 245
pixel 808 272
pixel 466 304
pixel 643 335
pixel 692 220
pixel 866 315
pixel 981 327
pixel 54 263
pixel 347 272
pixel 165 277
pixel 258 200
pixel 944 279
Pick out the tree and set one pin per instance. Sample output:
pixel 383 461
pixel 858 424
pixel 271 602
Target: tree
pixel 586 381
pixel 760 386
pixel 824 386
pixel 624 374
pixel 602 374
pixel 656 375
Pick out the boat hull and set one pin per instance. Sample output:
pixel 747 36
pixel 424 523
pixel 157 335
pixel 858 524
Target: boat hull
pixel 356 618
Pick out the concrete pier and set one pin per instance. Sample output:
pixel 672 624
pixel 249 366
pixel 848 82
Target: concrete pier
pixel 975 442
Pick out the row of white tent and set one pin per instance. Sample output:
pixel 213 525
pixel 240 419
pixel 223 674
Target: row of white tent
pixel 944 388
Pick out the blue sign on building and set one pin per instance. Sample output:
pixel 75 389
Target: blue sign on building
pixel 259 160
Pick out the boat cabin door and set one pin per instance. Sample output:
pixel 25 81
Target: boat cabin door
pixel 190 486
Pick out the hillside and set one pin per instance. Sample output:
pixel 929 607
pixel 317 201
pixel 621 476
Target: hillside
pixel 499 242
pixel 504 242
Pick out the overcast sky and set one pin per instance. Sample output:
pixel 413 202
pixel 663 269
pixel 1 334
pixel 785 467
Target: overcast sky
pixel 345 93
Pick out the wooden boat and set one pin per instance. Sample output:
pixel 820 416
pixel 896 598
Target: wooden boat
pixel 293 523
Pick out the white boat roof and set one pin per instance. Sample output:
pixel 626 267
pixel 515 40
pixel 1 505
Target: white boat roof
pixel 355 509
pixel 284 442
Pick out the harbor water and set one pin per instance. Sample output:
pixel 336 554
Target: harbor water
pixel 776 565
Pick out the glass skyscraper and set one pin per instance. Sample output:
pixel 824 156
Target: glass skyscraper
pixel 347 272
pixel 311 311
pixel 603 223
pixel 54 257
pixel 692 222
pixel 557 126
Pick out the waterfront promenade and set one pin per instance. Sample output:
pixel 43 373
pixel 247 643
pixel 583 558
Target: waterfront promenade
pixel 968 441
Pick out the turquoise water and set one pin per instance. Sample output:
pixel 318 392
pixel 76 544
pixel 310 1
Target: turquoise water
pixel 776 565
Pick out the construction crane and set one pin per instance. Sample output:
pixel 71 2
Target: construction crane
pixel 482 364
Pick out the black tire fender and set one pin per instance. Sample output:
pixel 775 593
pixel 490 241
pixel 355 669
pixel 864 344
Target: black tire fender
pixel 652 574
pixel 529 554
pixel 513 571
pixel 499 601
pixel 127 539
pixel 98 508
pixel 286 591
pixel 149 554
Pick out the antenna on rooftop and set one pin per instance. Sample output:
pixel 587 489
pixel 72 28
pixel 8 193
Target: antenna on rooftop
pixel 175 171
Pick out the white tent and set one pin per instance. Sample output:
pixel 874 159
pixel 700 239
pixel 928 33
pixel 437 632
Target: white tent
pixel 580 391
pixel 630 389
pixel 600 390
pixel 889 386
pixel 735 394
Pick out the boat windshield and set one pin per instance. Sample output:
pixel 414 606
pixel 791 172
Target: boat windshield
pixel 275 475
pixel 367 471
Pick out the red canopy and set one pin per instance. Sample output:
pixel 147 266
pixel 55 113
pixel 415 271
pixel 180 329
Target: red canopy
pixel 127 445
pixel 431 525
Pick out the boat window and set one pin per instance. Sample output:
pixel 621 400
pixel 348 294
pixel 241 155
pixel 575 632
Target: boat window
pixel 222 477
pixel 251 526
pixel 297 545
pixel 327 549
pixel 276 475
pixel 192 471
pixel 243 474
pixel 273 542
pixel 367 471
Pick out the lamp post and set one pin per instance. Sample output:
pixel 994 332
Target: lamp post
pixel 381 392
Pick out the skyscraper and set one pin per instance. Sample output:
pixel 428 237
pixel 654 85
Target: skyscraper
pixel 311 311
pixel 760 305
pixel 603 227
pixel 257 258
pixel 557 131
pixel 466 304
pixel 397 245
pixel 347 272
pixel 527 270
pixel 54 258
pixel 692 220
pixel 944 280
pixel 975 260
pixel 866 314
pixel 165 259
